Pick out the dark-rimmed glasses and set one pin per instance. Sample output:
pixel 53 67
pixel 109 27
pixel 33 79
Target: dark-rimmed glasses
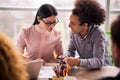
pixel 51 23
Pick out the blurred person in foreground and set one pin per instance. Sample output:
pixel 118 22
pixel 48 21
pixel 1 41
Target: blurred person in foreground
pixel 10 66
pixel 86 37
pixel 115 36
pixel 41 39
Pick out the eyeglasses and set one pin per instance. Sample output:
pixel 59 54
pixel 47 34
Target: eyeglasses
pixel 50 23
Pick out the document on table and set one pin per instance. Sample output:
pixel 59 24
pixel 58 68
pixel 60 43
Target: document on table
pixel 46 72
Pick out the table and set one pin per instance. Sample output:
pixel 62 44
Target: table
pixel 105 71
pixel 86 74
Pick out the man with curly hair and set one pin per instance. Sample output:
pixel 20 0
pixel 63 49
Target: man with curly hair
pixel 86 37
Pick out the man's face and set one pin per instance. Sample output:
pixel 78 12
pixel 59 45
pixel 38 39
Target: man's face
pixel 75 25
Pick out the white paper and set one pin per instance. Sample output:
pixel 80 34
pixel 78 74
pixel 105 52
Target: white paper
pixel 46 72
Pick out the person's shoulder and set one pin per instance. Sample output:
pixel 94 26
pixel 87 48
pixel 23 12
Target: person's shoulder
pixel 99 29
pixel 97 33
pixel 27 29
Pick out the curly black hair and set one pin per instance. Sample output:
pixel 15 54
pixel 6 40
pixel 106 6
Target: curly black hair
pixel 89 11
pixel 115 31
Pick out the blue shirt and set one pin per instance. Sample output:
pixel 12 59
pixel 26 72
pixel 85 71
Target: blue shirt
pixel 92 49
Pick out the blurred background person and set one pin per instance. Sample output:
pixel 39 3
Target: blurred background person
pixel 10 66
pixel 115 31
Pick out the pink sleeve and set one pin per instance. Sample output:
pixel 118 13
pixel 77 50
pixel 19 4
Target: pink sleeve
pixel 21 41
pixel 59 47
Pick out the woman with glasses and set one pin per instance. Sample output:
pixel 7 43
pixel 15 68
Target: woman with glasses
pixel 41 39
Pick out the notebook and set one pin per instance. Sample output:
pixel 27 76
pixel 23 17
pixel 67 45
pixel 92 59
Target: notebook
pixel 33 68
pixel 46 72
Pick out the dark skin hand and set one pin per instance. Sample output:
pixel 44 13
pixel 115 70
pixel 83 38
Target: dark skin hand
pixel 72 61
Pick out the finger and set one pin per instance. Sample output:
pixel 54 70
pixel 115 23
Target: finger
pixel 66 60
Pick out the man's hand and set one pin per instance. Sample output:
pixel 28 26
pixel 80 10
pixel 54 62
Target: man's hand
pixel 71 61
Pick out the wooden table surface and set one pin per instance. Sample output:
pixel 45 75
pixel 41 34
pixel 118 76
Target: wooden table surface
pixel 86 74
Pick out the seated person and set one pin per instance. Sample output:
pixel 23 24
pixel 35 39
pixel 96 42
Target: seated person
pixel 10 66
pixel 41 39
pixel 115 36
pixel 86 37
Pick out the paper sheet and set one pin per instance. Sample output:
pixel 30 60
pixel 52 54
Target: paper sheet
pixel 46 72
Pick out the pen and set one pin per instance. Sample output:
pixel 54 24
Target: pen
pixel 56 70
pixel 67 69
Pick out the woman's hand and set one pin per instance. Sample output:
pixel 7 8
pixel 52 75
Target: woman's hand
pixel 41 60
pixel 62 56
pixel 71 61
pixel 24 59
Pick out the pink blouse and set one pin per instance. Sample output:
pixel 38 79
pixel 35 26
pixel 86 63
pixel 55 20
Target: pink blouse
pixel 39 43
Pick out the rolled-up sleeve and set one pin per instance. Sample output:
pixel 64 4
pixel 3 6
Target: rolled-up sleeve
pixel 20 45
pixel 59 46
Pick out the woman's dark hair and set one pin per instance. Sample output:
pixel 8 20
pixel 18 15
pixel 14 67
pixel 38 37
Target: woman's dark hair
pixel 89 11
pixel 115 31
pixel 46 10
